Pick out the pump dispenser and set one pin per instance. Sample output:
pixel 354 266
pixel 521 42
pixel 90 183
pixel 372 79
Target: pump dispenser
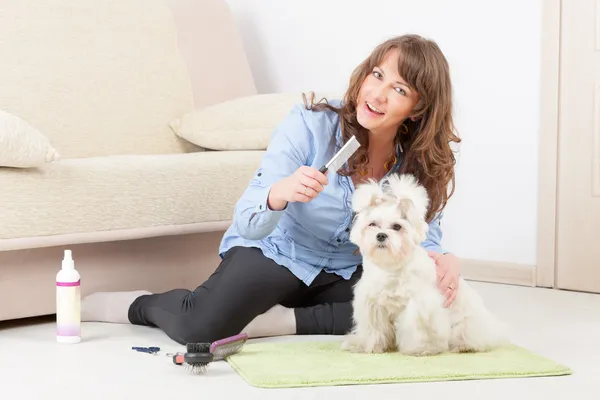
pixel 68 302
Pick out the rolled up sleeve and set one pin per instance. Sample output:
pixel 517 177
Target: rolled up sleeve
pixel 289 148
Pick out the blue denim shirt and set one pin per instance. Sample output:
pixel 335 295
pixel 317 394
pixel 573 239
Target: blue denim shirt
pixel 309 237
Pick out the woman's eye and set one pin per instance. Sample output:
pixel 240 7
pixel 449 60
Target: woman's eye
pixel 401 91
pixel 396 227
pixel 376 74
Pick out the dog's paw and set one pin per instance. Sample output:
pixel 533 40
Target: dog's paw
pixel 376 348
pixel 352 344
pixel 355 345
pixel 424 352
pixel 421 349
pixel 463 349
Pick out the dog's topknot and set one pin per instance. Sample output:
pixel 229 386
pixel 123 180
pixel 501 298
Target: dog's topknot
pixel 408 193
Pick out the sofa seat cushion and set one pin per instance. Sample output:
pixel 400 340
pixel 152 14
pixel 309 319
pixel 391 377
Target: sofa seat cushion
pixel 123 192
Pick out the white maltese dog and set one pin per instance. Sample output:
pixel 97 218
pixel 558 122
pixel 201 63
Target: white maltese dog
pixel 397 304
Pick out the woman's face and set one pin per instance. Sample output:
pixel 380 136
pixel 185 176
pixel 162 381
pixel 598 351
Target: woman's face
pixel 385 100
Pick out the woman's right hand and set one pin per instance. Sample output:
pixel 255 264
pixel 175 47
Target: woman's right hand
pixel 303 186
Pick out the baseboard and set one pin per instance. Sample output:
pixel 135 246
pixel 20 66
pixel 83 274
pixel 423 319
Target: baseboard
pixel 498 272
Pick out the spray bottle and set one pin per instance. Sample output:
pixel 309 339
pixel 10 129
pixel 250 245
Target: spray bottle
pixel 68 302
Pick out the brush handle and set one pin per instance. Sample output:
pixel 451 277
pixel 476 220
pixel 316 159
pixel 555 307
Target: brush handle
pixel 323 169
pixel 178 359
pixel 231 339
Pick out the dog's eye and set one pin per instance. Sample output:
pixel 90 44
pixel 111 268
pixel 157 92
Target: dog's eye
pixel 396 227
pixel 372 224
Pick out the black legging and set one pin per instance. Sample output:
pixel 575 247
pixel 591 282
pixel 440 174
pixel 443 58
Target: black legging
pixel 245 285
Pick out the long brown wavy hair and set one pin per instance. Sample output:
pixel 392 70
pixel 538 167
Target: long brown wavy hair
pixel 427 152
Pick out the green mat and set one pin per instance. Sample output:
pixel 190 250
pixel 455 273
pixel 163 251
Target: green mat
pixel 300 364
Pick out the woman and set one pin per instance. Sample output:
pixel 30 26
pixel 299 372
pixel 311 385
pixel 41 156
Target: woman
pixel 287 264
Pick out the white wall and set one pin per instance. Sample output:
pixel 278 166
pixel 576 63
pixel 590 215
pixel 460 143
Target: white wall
pixel 494 52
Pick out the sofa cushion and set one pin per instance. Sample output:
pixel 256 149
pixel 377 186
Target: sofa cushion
pixel 245 123
pixel 22 145
pixel 123 192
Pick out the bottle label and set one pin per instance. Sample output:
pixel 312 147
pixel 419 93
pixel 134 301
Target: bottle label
pixel 68 308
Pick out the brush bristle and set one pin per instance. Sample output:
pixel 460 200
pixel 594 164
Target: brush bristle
pixel 225 351
pixel 198 347
pixel 197 369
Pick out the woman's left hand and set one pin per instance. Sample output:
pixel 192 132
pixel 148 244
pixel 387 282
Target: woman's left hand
pixel 448 273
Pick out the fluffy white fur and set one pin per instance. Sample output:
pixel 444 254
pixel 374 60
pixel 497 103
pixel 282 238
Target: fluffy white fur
pixel 397 304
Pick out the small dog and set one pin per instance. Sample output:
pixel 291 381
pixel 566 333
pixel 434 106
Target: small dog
pixel 397 304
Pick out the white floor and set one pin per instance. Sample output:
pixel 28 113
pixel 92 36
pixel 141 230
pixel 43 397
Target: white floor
pixel 564 326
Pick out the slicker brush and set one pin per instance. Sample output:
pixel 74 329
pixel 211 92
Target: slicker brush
pixel 196 358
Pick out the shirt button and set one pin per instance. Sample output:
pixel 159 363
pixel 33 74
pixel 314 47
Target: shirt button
pixel 339 240
pixel 347 229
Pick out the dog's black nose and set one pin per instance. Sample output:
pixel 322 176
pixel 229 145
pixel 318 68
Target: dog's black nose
pixel 381 237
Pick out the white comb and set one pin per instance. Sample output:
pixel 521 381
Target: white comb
pixel 341 156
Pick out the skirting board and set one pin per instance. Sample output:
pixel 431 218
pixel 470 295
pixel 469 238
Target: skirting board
pixel 498 272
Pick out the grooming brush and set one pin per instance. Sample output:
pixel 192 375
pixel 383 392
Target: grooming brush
pixel 223 348
pixel 196 358
pixel 341 156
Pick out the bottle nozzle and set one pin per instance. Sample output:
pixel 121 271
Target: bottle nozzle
pixel 68 260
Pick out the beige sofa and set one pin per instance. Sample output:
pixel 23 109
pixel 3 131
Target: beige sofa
pixel 139 207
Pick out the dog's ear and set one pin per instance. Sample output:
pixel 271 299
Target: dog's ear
pixel 366 195
pixel 420 232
